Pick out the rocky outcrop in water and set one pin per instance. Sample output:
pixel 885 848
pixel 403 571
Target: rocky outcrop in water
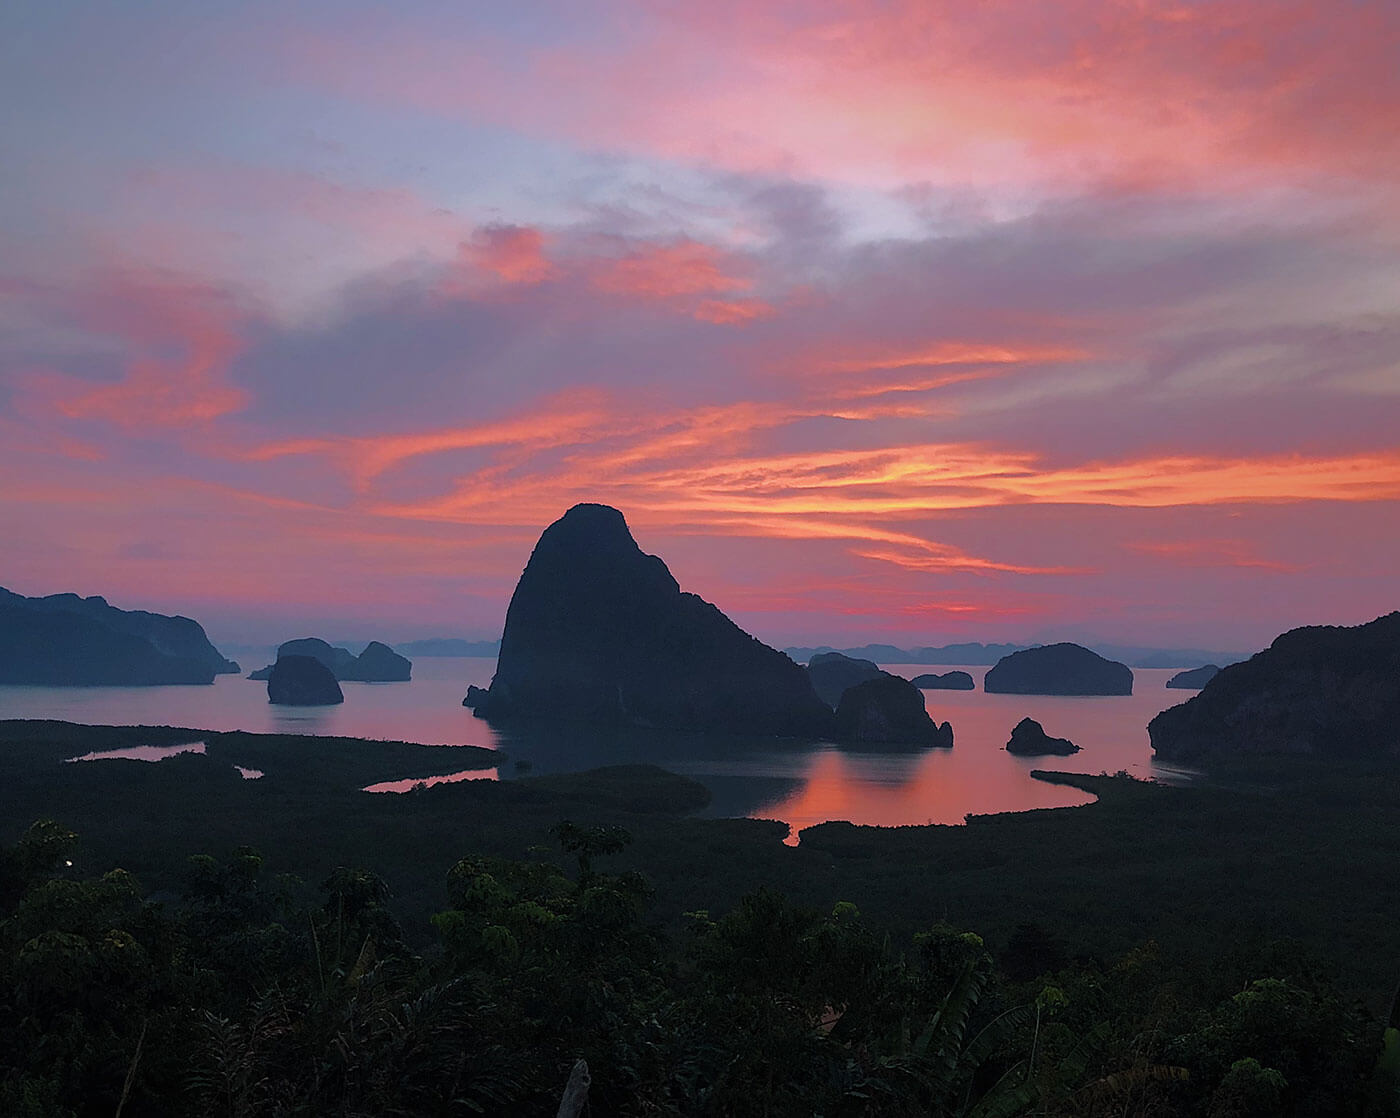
pixel 948 681
pixel 832 673
pixel 1193 679
pixel 1058 669
pixel 888 710
pixel 302 681
pixel 1029 739
pixel 1324 690
pixel 65 640
pixel 598 631
pixel 378 663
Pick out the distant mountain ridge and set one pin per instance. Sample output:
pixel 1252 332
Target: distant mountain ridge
pixel 67 640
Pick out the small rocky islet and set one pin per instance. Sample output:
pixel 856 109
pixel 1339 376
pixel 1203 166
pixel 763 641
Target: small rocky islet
pixel 1029 739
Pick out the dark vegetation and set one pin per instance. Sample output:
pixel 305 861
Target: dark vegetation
pixel 1218 950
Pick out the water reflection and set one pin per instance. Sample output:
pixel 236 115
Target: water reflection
pixel 800 782
pixel 429 781
pixel 141 752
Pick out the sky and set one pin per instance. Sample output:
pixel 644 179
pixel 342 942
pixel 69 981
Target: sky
pixel 914 321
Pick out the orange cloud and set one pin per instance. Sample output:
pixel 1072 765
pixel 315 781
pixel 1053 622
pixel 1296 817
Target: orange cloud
pixel 512 253
pixel 180 339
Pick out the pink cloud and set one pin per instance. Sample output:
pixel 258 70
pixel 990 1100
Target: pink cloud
pixel 995 94
pixel 178 338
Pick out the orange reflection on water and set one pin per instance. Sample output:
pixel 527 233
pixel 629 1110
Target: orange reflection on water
pixel 903 789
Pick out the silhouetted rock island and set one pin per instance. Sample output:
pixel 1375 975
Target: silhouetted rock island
pixel 1029 739
pixel 378 663
pixel 832 673
pixel 1058 669
pixel 1326 690
pixel 302 681
pixel 598 631
pixel 1193 679
pixel 948 681
pixel 65 640
pixel 888 710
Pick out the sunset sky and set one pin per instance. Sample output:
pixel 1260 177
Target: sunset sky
pixel 912 321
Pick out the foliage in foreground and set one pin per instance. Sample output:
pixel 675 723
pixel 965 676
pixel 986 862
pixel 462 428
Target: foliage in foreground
pixel 237 1002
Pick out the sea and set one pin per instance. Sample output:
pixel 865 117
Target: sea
pixel 800 782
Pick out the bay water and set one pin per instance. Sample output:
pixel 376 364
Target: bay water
pixel 799 782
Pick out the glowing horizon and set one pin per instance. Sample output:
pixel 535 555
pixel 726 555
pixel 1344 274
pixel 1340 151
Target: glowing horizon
pixel 901 321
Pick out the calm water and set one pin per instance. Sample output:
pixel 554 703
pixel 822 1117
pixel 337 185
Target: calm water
pixel 800 783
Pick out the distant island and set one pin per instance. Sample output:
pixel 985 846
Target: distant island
pixel 1193 679
pixel 948 681
pixel 1058 669
pixel 378 663
pixel 1325 690
pixel 65 640
pixel 598 631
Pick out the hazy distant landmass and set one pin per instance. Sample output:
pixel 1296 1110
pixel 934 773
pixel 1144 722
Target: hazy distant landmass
pixel 598 631
pixel 1058 669
pixel 1325 689
pixel 890 654
pixel 65 640
pixel 378 663
pixel 449 646
pixel 1134 656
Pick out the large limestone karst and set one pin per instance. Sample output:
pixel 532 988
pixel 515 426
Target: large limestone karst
pixel 65 640
pixel 598 631
pixel 1327 690
pixel 1058 669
